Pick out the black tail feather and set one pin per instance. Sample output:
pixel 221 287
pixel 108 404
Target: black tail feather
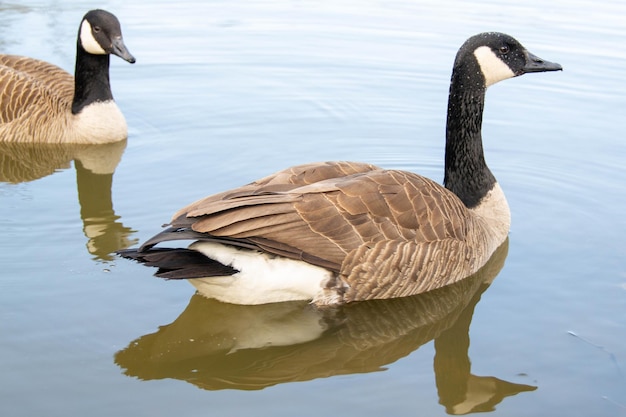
pixel 178 263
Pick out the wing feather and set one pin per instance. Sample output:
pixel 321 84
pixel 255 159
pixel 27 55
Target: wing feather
pixel 322 215
pixel 24 82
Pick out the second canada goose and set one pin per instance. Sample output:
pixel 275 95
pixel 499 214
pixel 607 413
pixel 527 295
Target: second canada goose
pixel 43 103
pixel 338 232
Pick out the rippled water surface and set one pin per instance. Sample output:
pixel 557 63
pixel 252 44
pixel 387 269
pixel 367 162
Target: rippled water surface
pixel 224 92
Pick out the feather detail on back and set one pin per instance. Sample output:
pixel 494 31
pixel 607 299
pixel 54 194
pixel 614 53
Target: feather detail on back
pixel 379 247
pixel 29 87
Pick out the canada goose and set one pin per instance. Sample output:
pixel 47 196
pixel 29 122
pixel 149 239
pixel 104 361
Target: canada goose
pixel 338 232
pixel 43 103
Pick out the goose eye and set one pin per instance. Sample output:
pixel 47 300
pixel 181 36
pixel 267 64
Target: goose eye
pixel 96 29
pixel 504 49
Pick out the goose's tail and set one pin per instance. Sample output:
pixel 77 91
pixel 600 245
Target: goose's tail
pixel 178 263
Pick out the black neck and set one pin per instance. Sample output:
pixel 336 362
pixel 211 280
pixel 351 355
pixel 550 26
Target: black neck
pixel 466 173
pixel 91 79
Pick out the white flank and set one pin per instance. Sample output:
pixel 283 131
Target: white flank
pixel 262 278
pixel 492 67
pixel 100 122
pixel 90 43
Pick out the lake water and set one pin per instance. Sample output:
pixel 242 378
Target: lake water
pixel 224 92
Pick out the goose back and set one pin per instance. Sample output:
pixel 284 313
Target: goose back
pixel 48 75
pixel 332 215
pixel 34 94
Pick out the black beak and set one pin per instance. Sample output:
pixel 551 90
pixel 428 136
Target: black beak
pixel 118 48
pixel 536 64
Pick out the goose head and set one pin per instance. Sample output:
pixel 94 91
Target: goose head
pixel 498 57
pixel 483 60
pixel 100 34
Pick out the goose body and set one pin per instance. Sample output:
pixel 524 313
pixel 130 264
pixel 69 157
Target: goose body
pixel 43 103
pixel 338 232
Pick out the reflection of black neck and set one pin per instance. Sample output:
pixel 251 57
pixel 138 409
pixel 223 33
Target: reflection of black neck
pixel 91 79
pixel 94 193
pixel 460 391
pixel 100 225
pixel 452 364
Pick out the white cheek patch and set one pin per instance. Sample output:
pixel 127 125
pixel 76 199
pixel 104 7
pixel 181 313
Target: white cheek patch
pixel 492 67
pixel 87 40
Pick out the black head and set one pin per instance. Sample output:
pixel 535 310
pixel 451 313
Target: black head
pixel 100 34
pixel 500 56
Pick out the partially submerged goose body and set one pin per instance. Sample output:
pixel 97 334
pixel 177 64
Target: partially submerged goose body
pixel 42 103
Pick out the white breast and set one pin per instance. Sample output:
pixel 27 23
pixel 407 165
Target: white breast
pixel 100 122
pixel 494 210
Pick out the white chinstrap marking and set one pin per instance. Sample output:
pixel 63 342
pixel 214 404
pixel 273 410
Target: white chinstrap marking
pixel 492 67
pixel 262 278
pixel 89 43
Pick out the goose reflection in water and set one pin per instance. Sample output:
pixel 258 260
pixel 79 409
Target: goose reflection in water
pixel 95 165
pixel 223 346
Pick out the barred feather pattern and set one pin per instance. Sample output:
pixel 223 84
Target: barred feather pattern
pixel 36 102
pixel 33 94
pixel 384 233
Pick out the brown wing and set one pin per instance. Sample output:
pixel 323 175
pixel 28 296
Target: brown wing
pixel 25 82
pixel 281 181
pixel 44 72
pixel 326 222
pixel 21 162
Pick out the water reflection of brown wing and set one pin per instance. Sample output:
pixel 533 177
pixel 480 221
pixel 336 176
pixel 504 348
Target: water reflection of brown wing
pixel 95 166
pixel 222 346
pixel 29 162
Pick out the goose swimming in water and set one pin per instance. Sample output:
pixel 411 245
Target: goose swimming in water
pixel 338 232
pixel 43 103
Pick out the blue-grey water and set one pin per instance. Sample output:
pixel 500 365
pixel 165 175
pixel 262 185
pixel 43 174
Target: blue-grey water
pixel 224 92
